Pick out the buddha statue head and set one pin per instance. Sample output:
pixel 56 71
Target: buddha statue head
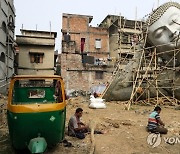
pixel 163 27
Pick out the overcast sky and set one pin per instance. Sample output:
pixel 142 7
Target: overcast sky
pixel 39 14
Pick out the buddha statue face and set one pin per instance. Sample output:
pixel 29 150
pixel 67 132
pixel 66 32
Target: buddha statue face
pixel 164 32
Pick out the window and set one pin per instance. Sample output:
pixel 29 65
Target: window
pixel 98 75
pixel 98 43
pixel 2 57
pixel 36 57
pixel 82 44
pixel 67 38
pixel 11 23
pixel 125 38
pixel 4 26
pixel 36 93
pixel 36 82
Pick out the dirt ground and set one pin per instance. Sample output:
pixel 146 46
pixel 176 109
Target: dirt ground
pixel 124 130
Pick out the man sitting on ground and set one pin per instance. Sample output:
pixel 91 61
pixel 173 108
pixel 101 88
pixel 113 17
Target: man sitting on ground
pixel 78 129
pixel 155 124
pixel 75 127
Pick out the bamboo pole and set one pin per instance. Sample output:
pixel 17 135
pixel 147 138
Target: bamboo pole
pixel 116 72
pixel 174 73
pixel 155 79
pixel 135 90
pixel 155 72
pixel 93 144
pixel 134 83
pixel 156 46
pixel 120 36
pixel 143 51
pixel 164 96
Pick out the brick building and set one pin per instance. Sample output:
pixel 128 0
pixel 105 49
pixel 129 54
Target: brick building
pixel 85 53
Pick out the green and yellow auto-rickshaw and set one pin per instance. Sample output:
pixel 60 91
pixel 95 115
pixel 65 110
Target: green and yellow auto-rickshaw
pixel 36 112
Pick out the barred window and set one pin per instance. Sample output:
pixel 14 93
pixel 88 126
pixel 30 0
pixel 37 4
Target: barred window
pixel 36 57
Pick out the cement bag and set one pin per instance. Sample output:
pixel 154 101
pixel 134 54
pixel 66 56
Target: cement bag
pixel 97 103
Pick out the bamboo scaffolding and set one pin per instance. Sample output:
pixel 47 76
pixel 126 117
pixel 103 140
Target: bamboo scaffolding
pixel 134 91
pixel 134 83
pixel 160 80
pixel 149 69
pixel 154 79
pixel 155 76
pixel 117 69
pixel 160 93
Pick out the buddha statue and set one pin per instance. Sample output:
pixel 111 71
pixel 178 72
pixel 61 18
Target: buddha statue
pixel 163 27
pixel 163 32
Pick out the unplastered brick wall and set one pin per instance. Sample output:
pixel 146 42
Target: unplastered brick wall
pixel 77 24
pixel 85 80
pixel 71 61
pixel 78 27
pixel 78 77
pixel 98 33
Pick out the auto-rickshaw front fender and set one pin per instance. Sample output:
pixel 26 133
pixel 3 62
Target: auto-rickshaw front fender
pixel 37 145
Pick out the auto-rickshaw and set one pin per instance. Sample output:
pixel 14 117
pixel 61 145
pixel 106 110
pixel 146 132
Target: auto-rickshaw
pixel 36 112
